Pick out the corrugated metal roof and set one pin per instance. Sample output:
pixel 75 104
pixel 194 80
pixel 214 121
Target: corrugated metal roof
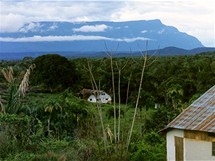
pixel 199 116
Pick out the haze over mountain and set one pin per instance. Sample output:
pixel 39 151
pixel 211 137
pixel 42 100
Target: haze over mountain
pixel 95 36
pixel 168 51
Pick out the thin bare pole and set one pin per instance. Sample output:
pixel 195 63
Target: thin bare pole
pixel 119 68
pixel 119 95
pixel 128 88
pixel 113 86
pixel 137 101
pixel 98 105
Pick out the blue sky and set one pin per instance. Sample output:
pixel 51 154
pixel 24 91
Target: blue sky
pixel 194 17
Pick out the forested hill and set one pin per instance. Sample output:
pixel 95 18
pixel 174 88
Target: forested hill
pixel 168 51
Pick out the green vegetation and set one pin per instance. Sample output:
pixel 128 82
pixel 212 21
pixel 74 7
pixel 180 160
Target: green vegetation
pixel 43 119
pixel 53 71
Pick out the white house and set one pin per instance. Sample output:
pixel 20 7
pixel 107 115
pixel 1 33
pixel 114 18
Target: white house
pixel 191 135
pixel 95 96
pixel 100 97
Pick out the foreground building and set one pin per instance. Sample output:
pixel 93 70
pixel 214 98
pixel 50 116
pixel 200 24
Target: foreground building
pixel 191 135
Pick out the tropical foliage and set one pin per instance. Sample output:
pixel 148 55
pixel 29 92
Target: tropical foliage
pixel 53 123
pixel 53 71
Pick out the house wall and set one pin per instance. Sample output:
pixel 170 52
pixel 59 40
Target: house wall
pixel 197 150
pixel 101 98
pixel 199 135
pixel 170 137
pixel 197 146
pixel 104 97
pixel 92 98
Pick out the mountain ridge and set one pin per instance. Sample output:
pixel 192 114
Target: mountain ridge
pixel 95 36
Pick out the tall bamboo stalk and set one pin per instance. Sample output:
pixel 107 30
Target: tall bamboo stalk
pixel 98 105
pixel 137 101
pixel 119 68
pixel 114 96
pixel 119 107
pixel 109 53
pixel 128 88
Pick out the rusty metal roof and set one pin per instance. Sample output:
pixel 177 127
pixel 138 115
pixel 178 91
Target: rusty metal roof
pixel 199 116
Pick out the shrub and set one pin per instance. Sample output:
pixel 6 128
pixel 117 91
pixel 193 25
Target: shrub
pixel 19 132
pixel 151 148
pixel 54 71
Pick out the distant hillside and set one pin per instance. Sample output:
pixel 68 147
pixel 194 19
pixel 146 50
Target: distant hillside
pixel 179 51
pixel 168 51
pixel 95 37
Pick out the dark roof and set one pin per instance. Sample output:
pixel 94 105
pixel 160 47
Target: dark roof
pixel 199 116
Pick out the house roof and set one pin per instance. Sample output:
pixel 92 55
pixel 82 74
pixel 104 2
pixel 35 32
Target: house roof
pixel 199 116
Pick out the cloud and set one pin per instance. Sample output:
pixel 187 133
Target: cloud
pixel 53 27
pixel 144 31
pixel 193 17
pixel 161 31
pixel 11 22
pixel 68 38
pixel 133 39
pixel 14 15
pixel 92 28
pixel 33 27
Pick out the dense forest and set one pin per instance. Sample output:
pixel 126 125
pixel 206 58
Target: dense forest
pixel 43 117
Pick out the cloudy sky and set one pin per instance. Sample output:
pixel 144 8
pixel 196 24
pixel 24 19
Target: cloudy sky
pixel 194 17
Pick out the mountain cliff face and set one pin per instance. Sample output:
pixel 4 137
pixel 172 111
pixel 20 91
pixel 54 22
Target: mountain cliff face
pixel 95 36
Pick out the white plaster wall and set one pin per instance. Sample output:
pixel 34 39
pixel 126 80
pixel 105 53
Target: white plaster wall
pixel 92 98
pixel 104 97
pixel 198 150
pixel 170 138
